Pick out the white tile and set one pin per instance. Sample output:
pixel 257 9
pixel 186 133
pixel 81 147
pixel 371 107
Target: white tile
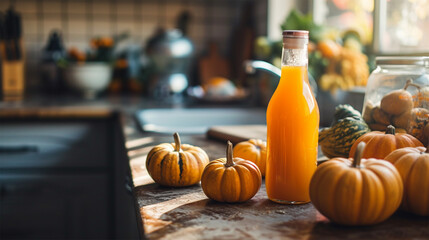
pixel 124 26
pixel 24 6
pixel 4 5
pixel 33 51
pixel 198 12
pixel 173 10
pixel 79 43
pixel 220 32
pixel 32 37
pixel 101 7
pixel 197 31
pixel 147 29
pixel 76 6
pixel 149 10
pixel 51 24
pixel 222 11
pixel 125 8
pixel 101 27
pixel 51 6
pixel 77 26
pixel 30 24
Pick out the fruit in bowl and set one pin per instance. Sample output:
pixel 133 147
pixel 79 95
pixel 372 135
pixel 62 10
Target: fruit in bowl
pixel 219 87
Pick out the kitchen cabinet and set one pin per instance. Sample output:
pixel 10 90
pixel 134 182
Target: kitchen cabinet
pixel 65 178
pixel 56 206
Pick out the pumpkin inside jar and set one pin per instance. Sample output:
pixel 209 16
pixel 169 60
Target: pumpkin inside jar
pixel 398 101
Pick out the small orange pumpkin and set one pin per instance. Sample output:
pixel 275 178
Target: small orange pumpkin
pixel 231 179
pixel 176 164
pixel 380 144
pixel 254 150
pixel 413 166
pixel 356 191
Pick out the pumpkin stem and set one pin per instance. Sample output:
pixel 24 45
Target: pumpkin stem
pixel 178 146
pixel 390 130
pixel 410 83
pixel 358 154
pixel 229 157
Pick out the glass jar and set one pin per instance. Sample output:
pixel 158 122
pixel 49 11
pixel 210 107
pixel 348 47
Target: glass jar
pixel 397 93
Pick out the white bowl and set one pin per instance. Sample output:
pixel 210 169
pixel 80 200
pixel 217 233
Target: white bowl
pixel 89 78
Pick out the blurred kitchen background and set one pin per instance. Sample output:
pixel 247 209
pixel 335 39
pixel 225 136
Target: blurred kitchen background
pixel 78 22
pixel 184 48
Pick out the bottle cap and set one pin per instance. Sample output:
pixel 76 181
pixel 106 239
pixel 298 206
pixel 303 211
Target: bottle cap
pixel 295 34
pixel 295 39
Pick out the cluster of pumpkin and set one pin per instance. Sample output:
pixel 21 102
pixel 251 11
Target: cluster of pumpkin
pixel 230 179
pixel 361 190
pixel 395 172
pixel 401 109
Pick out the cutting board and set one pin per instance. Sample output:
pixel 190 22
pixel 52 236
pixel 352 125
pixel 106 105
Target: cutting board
pixel 237 133
pixel 213 65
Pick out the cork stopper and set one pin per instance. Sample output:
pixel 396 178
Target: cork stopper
pixel 295 38
pixel 295 34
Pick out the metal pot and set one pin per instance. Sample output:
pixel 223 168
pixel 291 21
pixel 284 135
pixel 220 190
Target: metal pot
pixel 170 56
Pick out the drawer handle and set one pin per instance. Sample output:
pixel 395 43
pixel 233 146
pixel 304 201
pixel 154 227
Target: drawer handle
pixel 19 149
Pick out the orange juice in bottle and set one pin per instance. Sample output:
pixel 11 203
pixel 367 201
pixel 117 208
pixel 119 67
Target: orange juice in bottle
pixel 292 126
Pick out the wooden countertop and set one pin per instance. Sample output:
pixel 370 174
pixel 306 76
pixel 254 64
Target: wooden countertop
pixel 186 213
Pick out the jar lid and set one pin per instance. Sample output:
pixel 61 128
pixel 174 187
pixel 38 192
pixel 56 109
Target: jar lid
pixel 402 60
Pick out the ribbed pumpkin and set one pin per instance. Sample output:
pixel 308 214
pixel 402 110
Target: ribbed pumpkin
pixel 413 166
pixel 254 150
pixel 176 164
pixel 380 144
pixel 231 179
pixel 356 191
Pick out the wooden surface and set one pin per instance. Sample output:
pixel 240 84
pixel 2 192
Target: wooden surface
pixel 186 213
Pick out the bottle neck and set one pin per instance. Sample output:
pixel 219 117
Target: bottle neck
pixel 295 52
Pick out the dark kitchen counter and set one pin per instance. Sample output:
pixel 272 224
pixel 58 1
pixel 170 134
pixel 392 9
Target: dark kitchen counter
pixel 186 213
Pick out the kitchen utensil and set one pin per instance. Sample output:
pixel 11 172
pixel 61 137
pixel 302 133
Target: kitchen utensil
pixel 52 75
pixel 12 23
pixel 12 65
pixel 170 54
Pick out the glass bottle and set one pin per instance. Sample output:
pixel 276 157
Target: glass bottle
pixel 403 83
pixel 292 126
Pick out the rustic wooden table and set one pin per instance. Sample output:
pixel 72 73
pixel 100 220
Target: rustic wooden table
pixel 186 213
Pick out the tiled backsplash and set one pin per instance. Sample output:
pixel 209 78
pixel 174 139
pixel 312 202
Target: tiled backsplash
pixel 80 20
